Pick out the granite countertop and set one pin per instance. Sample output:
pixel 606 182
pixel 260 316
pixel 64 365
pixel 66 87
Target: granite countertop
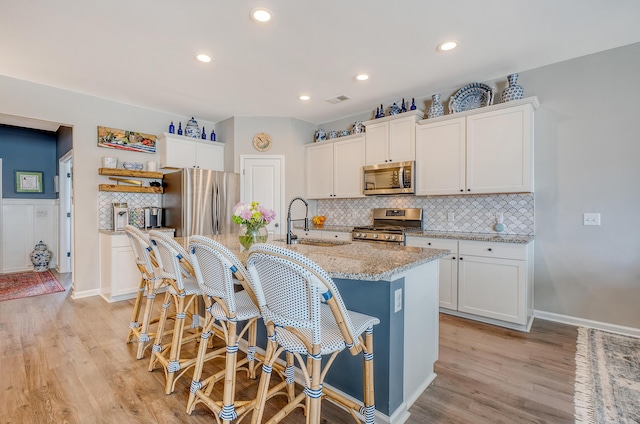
pixel 115 233
pixel 350 260
pixel 454 235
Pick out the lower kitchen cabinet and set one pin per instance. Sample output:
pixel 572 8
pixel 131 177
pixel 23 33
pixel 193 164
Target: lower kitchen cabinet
pixel 486 281
pixel 448 275
pixel 119 274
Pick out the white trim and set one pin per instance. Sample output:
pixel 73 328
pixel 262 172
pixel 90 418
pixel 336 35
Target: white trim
pixel 11 201
pixel 499 323
pixel 582 322
pixel 85 293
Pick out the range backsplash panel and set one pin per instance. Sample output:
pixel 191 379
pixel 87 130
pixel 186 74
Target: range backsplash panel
pixel 133 201
pixel 472 213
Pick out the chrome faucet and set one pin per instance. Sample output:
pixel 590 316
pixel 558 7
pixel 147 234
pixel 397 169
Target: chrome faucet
pixel 291 236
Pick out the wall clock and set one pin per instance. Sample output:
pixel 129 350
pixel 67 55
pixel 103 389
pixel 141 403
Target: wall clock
pixel 262 142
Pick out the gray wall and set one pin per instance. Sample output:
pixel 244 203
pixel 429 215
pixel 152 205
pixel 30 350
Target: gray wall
pixel 587 159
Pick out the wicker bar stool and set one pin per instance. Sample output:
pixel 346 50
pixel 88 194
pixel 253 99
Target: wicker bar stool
pixel 305 315
pixel 149 286
pixel 183 291
pixel 215 267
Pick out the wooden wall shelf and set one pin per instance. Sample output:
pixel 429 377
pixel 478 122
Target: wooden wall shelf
pixel 129 189
pixel 127 173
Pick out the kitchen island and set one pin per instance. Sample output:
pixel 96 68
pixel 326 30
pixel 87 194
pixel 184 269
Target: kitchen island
pixel 398 285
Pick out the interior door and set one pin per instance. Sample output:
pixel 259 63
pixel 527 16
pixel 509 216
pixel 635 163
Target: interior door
pixel 262 180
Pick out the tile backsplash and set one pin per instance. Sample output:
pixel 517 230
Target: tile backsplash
pixel 471 213
pixel 133 201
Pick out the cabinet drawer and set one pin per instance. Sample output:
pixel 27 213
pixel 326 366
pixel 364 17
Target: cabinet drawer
pixel 493 249
pixel 434 243
pixel 336 235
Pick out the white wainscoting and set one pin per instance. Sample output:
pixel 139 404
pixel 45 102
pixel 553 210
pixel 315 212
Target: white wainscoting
pixel 24 223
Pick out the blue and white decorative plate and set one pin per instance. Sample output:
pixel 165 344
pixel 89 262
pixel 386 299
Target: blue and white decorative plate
pixel 471 96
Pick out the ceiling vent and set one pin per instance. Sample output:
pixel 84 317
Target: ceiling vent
pixel 338 99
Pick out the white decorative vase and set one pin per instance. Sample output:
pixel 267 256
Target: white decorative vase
pixel 436 109
pixel 513 91
pixel 40 257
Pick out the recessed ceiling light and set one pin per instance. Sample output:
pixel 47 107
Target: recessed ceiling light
pixel 304 97
pixel 362 77
pixel 204 58
pixel 261 15
pixel 447 45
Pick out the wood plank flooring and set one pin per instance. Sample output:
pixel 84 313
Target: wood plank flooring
pixel 65 361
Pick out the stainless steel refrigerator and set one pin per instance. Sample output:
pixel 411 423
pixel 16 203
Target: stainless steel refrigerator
pixel 200 202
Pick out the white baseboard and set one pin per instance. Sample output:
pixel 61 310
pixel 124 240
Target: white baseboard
pixel 86 293
pixel 412 397
pixel 582 322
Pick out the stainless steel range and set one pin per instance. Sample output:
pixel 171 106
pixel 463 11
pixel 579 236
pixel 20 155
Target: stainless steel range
pixel 390 226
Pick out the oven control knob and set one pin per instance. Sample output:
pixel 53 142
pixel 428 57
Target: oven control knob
pixel 393 237
pixel 387 237
pixel 375 236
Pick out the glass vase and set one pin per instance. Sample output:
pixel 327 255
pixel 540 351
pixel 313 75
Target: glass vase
pixel 250 234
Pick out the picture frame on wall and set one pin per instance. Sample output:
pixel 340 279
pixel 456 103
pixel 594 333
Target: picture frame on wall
pixel 28 182
pixel 114 138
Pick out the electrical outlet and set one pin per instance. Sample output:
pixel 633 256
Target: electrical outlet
pixel 451 217
pixel 398 303
pixel 591 219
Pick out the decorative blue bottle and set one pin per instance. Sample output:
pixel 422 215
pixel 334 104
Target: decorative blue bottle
pixel 377 112
pixel 179 128
pixel 204 133
pixel 213 135
pixel 172 128
pixel 381 111
pixel 413 104
pixel 404 106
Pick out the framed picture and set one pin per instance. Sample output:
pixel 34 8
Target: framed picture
pixel 114 138
pixel 28 182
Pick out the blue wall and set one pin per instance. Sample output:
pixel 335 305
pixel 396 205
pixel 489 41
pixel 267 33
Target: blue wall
pixel 24 149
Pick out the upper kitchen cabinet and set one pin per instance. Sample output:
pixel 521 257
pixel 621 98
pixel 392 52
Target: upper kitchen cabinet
pixel 488 150
pixel 392 138
pixel 177 151
pixel 334 168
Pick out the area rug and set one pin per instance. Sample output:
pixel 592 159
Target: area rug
pixel 25 284
pixel 607 385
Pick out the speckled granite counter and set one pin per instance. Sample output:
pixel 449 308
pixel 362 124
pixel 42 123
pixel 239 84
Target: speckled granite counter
pixel 351 260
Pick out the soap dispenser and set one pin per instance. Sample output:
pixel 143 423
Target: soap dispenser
pixel 499 227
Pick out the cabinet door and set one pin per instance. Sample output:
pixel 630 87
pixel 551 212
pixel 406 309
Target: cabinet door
pixel 448 269
pixel 319 171
pixel 210 156
pixel 177 153
pixel 492 288
pixel 348 159
pixel 336 235
pixel 499 151
pixel 377 143
pixel 402 139
pixel 440 158
pixel 125 277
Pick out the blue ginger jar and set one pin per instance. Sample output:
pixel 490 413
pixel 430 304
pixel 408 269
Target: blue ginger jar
pixel 40 257
pixel 394 109
pixel 513 91
pixel 436 109
pixel 192 129
pixel 321 135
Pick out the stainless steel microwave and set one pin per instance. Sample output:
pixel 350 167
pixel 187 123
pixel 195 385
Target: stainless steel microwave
pixel 389 178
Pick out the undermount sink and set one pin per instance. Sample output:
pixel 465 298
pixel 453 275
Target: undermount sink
pixel 317 242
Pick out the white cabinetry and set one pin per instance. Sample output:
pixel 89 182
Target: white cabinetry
pixel 119 274
pixel 334 169
pixel 322 234
pixel 392 138
pixel 488 150
pixel 486 281
pixel 448 277
pixel 177 151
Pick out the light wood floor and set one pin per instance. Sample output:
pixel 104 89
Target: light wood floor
pixel 65 361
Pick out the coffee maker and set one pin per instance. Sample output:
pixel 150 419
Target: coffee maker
pixel 120 216
pixel 152 217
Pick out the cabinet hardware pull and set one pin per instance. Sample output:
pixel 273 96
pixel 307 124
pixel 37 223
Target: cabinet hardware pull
pixel 461 258
pixel 429 243
pixel 461 190
pixel 454 258
pixel 468 189
pixel 489 249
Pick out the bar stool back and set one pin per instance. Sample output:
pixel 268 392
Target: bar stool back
pixel 305 314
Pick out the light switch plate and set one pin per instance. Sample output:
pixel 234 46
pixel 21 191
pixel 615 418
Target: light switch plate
pixel 398 300
pixel 591 219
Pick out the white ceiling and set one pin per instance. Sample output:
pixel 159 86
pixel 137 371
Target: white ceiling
pixel 142 52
